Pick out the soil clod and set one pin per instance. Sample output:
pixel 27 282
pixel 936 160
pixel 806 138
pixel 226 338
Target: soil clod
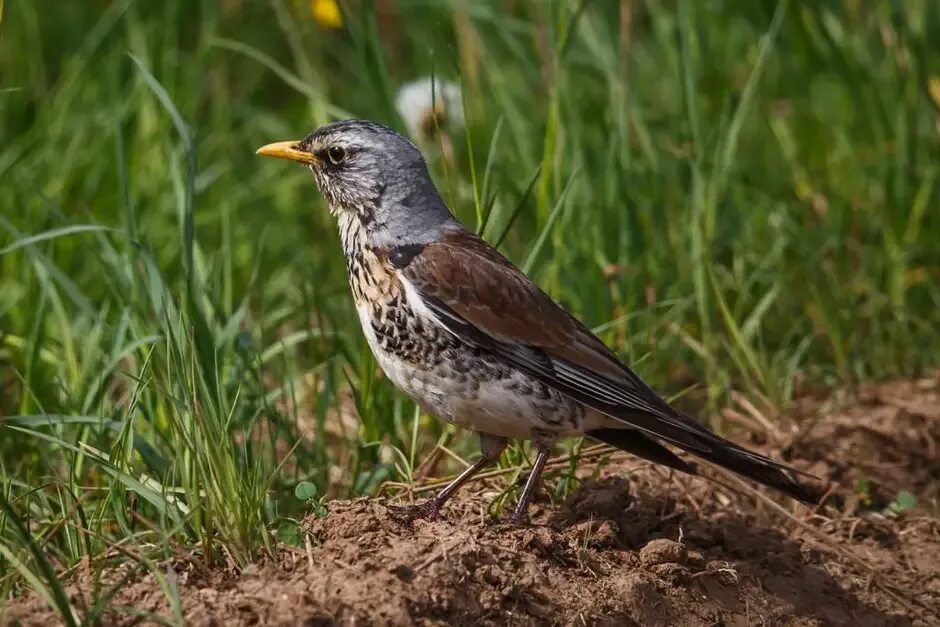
pixel 638 546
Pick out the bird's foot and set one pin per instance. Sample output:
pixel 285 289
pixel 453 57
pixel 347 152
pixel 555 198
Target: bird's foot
pixel 428 510
pixel 518 521
pixel 519 518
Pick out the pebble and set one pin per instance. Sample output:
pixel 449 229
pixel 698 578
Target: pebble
pixel 663 551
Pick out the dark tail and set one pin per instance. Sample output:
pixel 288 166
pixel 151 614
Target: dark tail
pixel 716 450
pixel 760 469
pixel 641 445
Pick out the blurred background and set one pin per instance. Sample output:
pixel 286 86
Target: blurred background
pixel 738 195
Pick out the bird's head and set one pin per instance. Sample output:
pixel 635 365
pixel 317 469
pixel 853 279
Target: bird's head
pixel 369 171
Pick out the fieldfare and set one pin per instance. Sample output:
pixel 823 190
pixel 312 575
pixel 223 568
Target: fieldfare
pixel 463 332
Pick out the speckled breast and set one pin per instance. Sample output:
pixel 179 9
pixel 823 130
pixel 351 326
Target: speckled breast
pixel 450 378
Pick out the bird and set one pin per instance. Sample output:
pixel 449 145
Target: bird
pixel 472 340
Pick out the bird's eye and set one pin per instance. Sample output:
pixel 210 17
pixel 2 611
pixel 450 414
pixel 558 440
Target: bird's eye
pixel 336 154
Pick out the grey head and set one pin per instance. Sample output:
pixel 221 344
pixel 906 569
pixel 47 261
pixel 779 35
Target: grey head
pixel 371 172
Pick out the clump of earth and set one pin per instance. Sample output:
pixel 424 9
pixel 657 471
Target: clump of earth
pixel 637 545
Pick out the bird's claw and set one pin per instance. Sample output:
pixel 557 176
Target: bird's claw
pixel 519 519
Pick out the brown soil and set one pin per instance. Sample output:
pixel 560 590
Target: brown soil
pixel 637 546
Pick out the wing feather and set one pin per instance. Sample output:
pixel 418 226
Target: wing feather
pixel 479 296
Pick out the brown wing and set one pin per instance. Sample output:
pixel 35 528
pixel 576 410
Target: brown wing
pixel 478 295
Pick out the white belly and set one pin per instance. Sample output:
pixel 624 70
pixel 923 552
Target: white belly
pixel 492 406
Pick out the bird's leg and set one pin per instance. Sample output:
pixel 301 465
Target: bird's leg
pixel 490 446
pixel 520 516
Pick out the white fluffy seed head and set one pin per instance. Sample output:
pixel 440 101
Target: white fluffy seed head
pixel 427 101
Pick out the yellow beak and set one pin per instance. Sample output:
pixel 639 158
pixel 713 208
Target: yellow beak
pixel 287 150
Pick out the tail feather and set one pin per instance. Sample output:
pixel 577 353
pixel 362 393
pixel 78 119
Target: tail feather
pixel 639 444
pixel 760 469
pixel 716 450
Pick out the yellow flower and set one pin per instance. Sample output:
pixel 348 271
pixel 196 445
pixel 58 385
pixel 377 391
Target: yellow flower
pixel 326 13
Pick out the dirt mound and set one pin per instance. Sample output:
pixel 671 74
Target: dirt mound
pixel 876 443
pixel 637 546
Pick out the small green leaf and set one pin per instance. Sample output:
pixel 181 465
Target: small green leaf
pixel 906 499
pixel 289 533
pixel 902 502
pixel 305 491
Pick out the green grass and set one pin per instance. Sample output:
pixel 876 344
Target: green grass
pixel 739 195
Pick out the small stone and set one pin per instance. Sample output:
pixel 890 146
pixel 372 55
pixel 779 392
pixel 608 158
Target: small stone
pixel 673 573
pixel 663 551
pixel 696 559
pixel 403 572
